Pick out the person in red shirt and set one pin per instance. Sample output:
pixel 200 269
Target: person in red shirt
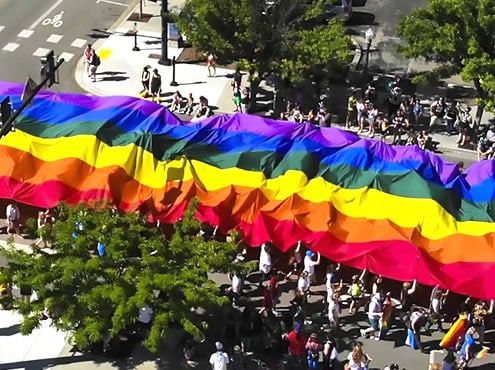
pixel 297 344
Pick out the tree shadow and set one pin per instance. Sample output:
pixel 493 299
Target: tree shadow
pixel 50 362
pixel 362 18
pixel 10 330
pixel 359 3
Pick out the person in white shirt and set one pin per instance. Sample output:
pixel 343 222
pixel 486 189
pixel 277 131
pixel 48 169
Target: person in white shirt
pixel 13 216
pixel 265 263
pixel 303 283
pixel 310 263
pixel 219 359
pixel 333 311
pixel 375 312
pixel 333 283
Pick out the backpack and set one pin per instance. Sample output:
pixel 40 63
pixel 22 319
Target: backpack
pixel 96 60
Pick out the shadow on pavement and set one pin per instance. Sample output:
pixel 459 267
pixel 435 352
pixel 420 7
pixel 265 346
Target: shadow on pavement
pixel 11 330
pixel 362 18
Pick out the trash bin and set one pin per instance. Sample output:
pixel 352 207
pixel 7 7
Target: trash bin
pixel 436 359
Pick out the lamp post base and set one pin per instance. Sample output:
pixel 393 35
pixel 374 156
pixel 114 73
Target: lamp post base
pixel 174 83
pixel 135 48
pixel 165 62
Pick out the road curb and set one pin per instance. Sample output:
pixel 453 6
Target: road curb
pixel 79 74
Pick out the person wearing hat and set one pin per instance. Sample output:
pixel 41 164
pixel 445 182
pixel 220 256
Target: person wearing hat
pixel 310 263
pixel 313 348
pixel 219 359
pixel 297 344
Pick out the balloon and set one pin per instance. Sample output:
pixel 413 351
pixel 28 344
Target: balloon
pixel 101 249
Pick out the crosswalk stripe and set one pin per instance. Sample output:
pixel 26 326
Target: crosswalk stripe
pixel 25 34
pixel 41 52
pixel 54 38
pixel 2 28
pixel 78 43
pixel 66 56
pixel 11 46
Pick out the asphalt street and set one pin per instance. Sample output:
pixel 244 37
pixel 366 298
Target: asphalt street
pixel 31 28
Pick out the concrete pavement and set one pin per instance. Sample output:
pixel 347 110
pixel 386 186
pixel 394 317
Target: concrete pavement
pixel 120 69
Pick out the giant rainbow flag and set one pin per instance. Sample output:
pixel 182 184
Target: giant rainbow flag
pixel 397 211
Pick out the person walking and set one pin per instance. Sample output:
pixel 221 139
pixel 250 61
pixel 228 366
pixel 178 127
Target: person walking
pixel 219 360
pixel 155 85
pixel 333 311
pixel 357 360
pixel 330 353
pixel 297 345
pixel 211 65
pixel 245 99
pixel 265 262
pixel 237 78
pixel 13 215
pixel 145 81
pixel 236 98
pixel 296 260
pixel 310 263
pixel 375 313
pixel 88 55
pixel 313 348
pixel 95 63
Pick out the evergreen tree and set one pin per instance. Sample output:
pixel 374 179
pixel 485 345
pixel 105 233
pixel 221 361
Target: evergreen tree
pixel 104 267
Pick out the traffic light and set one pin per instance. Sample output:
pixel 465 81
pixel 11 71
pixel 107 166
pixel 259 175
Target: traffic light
pixel 48 68
pixel 5 110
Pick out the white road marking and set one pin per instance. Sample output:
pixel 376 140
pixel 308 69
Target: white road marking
pixel 79 43
pixel 25 34
pixel 45 14
pixel 111 2
pixel 2 28
pixel 11 46
pixel 54 38
pixel 41 52
pixel 66 56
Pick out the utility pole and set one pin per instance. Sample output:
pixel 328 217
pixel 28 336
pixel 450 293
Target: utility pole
pixel 164 59
pixel 48 74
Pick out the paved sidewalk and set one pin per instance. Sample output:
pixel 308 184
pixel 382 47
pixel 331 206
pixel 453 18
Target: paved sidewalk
pixel 120 69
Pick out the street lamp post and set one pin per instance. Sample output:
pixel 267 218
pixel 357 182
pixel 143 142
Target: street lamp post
pixel 164 60
pixel 369 36
pixel 135 31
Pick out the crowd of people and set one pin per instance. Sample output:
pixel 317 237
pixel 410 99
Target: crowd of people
pixel 292 329
pixel 398 118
